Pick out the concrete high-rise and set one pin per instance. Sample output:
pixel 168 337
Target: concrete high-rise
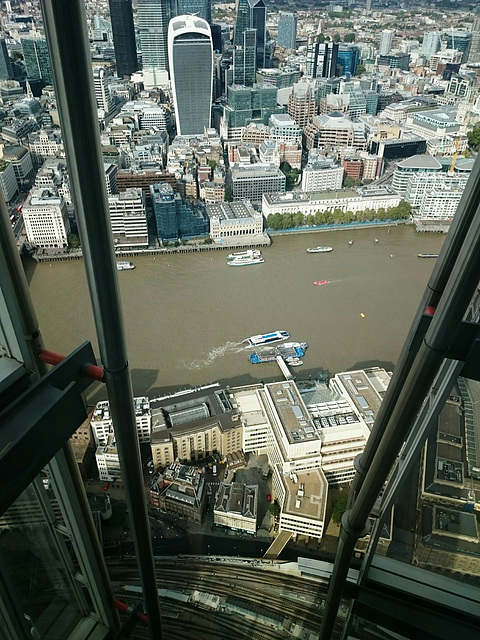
pixel 386 40
pixel 153 17
pixel 190 53
pixel 432 42
pixel 287 30
pixel 121 16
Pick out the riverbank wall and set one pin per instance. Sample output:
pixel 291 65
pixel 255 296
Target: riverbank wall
pixel 256 243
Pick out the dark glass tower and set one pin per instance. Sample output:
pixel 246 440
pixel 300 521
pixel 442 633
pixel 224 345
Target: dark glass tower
pixel 37 59
pixel 121 15
pixel 252 14
pixel 5 64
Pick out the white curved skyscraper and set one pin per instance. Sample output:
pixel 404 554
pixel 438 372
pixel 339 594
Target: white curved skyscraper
pixel 190 55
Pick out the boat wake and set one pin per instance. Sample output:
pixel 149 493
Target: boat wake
pixel 214 354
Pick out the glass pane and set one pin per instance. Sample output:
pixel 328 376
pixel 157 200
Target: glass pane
pixel 35 574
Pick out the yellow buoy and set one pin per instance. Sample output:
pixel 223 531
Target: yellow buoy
pixel 362 315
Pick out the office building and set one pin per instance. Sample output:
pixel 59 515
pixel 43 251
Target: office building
pixel 152 18
pixel 395 61
pixel 46 220
pixel 302 105
pixel 334 131
pixel 251 182
pixel 348 59
pixel 386 39
pixel 252 14
pixel 175 217
pixel 234 221
pixel 101 421
pixel 426 585
pixel 321 59
pixel 121 16
pixel 191 73
pixel 460 41
pixel 322 174
pixel 105 101
pixel 128 218
pixel 8 180
pixel 287 30
pixel 246 105
pixel 432 43
pixel 199 8
pixel 37 58
pixel 244 60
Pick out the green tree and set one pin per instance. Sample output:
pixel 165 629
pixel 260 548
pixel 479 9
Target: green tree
pixel 361 68
pixel 474 138
pixel 349 37
pixel 336 37
pixel 73 241
pixel 339 508
pixel 348 182
pixel 212 164
pixel 228 193
pixel 321 38
pixel 274 509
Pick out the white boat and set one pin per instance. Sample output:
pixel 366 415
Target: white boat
pixel 243 262
pixel 265 338
pixel 250 253
pixel 319 249
pixel 124 265
pixel 294 362
pixel 350 242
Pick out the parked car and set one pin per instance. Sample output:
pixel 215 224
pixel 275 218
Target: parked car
pixel 107 486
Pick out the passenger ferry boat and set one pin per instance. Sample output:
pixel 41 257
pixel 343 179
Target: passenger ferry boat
pixel 265 338
pixel 250 253
pixel 318 283
pixel 124 265
pixel 319 249
pixel 242 262
pixel 428 255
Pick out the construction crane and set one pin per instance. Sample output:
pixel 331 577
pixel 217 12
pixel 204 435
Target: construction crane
pixel 454 158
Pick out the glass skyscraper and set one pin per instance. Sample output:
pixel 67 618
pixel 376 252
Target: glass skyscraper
pixel 121 16
pixel 252 14
pixel 153 17
pixel 348 58
pixel 199 8
pixel 190 54
pixel 244 60
pixel 37 59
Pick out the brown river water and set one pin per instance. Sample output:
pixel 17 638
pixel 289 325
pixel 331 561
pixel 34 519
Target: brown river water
pixel 185 315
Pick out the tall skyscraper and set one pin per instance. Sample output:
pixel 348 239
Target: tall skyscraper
pixel 153 17
pixel 252 14
pixel 287 30
pixel 37 59
pixel 244 59
pixel 386 40
pixel 368 5
pixel 190 53
pixel 121 16
pixel 200 8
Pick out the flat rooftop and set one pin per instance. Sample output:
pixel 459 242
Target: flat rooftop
pixel 296 421
pixel 307 497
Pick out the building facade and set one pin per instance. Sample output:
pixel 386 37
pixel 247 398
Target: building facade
pixel 191 73
pixel 46 220
pixel 128 217
pixel 287 30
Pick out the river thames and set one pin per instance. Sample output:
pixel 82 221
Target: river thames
pixel 186 314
